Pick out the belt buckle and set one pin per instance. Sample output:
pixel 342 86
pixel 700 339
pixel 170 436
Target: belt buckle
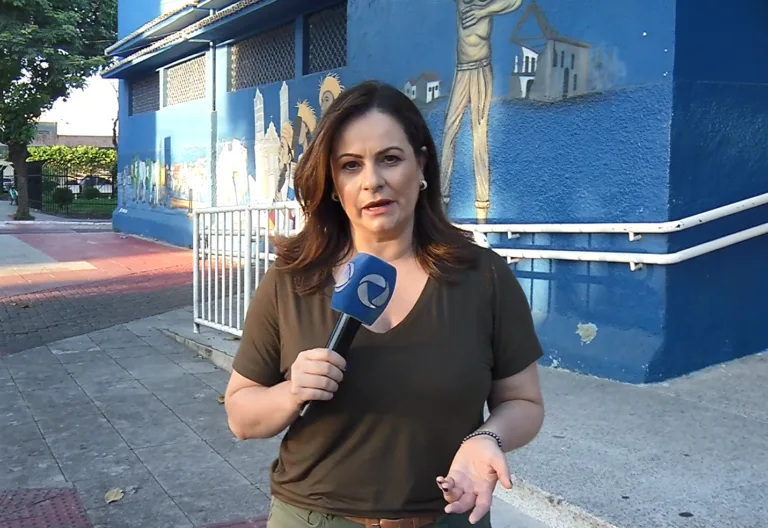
pixel 392 523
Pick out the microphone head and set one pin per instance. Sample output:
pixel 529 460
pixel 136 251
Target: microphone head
pixel 365 288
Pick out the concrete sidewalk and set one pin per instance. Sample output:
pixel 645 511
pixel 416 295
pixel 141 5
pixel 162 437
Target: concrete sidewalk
pixel 128 408
pixel 689 453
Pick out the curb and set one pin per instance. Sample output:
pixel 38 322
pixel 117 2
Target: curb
pixel 220 359
pixel 552 510
pixel 52 222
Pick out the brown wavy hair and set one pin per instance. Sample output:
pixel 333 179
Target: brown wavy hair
pixel 441 248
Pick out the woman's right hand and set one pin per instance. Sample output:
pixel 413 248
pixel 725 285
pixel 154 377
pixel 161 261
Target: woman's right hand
pixel 316 374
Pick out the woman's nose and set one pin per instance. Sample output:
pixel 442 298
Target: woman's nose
pixel 372 179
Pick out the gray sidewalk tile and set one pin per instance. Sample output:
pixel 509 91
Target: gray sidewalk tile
pixel 207 506
pixel 155 366
pixel 98 464
pixel 207 418
pixel 252 458
pixel 97 371
pixel 115 338
pixel 136 481
pixel 154 511
pixel 164 429
pixel 53 379
pixel 181 390
pixel 217 380
pixel 196 365
pixel 104 391
pixel 57 403
pixel 135 351
pixel 73 345
pixel 13 408
pixel 39 471
pixel 173 468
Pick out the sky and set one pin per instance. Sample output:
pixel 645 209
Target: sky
pixel 87 112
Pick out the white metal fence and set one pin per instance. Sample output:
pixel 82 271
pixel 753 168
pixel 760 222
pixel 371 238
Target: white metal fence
pixel 232 252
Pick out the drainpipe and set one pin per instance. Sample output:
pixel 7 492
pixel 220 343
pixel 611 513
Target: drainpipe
pixel 213 118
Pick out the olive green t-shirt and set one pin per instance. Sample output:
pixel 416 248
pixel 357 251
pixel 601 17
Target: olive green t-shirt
pixel 408 398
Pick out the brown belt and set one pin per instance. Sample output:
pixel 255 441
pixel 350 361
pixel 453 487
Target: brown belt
pixel 408 522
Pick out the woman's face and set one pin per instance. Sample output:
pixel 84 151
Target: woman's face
pixel 376 175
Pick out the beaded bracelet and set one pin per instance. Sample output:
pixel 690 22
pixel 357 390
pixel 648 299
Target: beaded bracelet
pixel 489 433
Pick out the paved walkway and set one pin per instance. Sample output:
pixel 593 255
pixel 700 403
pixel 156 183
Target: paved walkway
pixel 688 453
pixel 63 280
pixel 129 408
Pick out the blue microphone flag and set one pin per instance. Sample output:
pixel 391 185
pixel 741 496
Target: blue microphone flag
pixel 364 289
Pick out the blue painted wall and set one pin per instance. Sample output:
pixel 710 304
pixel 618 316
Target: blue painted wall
pixel 665 122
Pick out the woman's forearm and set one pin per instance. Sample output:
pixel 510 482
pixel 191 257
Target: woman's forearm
pixel 517 422
pixel 261 412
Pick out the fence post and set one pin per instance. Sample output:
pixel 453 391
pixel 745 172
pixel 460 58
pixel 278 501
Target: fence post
pixel 248 242
pixel 195 272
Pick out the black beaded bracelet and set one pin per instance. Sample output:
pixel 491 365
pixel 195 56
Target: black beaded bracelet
pixel 489 433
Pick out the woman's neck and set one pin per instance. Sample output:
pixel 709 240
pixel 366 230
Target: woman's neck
pixel 388 249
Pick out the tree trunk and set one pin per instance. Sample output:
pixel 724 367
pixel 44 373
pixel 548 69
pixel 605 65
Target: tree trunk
pixel 18 153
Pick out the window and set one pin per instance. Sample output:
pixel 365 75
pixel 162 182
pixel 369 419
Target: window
pixel 575 82
pixel 145 94
pixel 326 39
pixel 573 60
pixel 186 81
pixel 265 58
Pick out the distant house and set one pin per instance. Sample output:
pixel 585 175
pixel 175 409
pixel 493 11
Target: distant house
pixel 410 88
pixel 551 66
pixel 423 89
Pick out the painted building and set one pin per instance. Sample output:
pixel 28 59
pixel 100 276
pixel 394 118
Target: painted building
pixel 544 111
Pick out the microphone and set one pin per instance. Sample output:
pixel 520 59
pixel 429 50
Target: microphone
pixel 360 295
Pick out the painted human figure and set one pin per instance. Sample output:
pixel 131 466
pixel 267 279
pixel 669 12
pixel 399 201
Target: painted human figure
pixel 473 87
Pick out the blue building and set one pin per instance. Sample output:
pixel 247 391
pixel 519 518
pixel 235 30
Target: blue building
pixel 545 112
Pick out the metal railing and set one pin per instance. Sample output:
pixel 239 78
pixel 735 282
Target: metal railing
pixel 232 250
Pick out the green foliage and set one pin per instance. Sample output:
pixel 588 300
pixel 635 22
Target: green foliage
pixel 63 196
pixel 91 193
pixel 77 160
pixel 47 49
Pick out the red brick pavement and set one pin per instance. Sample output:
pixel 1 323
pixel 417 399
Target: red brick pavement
pixel 134 278
pixel 42 508
pixel 111 254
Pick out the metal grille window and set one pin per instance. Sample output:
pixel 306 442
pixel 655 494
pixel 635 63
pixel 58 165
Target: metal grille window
pixel 186 81
pixel 145 94
pixel 266 58
pixel 326 34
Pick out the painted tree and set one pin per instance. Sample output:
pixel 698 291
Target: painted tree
pixel 47 49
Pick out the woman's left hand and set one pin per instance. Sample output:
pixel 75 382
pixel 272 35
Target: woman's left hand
pixel 478 465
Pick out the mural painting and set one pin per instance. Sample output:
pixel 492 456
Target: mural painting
pixel 547 68
pixel 155 182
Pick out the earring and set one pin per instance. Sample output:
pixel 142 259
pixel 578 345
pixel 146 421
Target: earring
pixel 334 196
pixel 422 185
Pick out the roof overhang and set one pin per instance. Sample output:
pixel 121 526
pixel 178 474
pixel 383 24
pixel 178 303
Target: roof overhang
pixel 221 25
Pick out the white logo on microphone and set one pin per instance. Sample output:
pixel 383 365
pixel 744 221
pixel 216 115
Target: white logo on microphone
pixel 345 276
pixel 364 294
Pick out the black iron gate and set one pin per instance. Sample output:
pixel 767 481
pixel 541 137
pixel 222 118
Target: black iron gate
pixel 79 194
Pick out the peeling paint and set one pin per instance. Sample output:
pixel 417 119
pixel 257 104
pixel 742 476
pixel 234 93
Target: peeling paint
pixel 587 332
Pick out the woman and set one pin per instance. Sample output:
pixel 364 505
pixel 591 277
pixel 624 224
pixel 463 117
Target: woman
pixel 401 431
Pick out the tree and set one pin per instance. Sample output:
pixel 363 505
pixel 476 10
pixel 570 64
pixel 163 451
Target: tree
pixel 47 49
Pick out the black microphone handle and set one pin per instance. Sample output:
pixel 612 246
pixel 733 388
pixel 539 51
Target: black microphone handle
pixel 341 339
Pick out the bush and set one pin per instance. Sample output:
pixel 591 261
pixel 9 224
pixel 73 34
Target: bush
pixel 91 193
pixel 62 196
pixel 77 160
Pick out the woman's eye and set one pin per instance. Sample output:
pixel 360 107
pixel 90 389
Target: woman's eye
pixel 391 159
pixel 350 165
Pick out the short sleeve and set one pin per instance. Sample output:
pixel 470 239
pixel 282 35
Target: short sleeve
pixel 515 343
pixel 258 356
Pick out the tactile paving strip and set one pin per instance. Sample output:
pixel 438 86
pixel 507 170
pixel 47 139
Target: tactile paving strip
pixel 42 508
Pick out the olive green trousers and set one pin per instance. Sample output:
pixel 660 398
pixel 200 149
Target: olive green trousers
pixel 282 515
